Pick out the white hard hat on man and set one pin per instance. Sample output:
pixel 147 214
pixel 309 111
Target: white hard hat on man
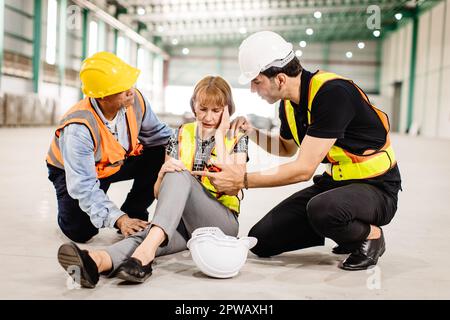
pixel 260 51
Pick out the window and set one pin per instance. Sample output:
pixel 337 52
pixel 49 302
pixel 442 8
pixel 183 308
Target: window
pixel 52 16
pixel 123 49
pixel 93 38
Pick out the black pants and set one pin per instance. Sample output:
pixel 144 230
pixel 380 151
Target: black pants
pixel 143 169
pixel 343 213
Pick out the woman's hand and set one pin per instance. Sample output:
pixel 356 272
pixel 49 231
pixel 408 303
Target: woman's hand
pixel 171 165
pixel 224 124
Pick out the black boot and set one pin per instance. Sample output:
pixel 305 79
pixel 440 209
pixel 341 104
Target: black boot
pixel 78 264
pixel 366 255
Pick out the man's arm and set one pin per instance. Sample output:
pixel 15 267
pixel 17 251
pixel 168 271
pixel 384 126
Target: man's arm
pixel 312 152
pixel 77 149
pixel 271 143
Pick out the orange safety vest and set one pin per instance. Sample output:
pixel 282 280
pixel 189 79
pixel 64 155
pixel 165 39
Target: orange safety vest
pixel 345 165
pixel 108 153
pixel 186 152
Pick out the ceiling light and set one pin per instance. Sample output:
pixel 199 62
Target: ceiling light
pixel 398 16
pixel 376 33
pixel 361 45
pixel 309 31
pixel 140 11
pixel 160 28
pixel 317 14
pixel 298 53
pixel 349 54
pixel 242 30
pixel 185 51
pixel 302 44
pixel 174 41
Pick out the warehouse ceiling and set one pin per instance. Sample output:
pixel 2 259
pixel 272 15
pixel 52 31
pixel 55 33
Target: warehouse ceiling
pixel 227 22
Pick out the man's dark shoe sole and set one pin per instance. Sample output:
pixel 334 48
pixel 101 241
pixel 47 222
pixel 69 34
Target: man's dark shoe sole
pixel 69 257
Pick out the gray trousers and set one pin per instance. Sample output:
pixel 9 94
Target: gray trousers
pixel 183 206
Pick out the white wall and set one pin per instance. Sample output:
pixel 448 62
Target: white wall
pixel 396 57
pixel 431 107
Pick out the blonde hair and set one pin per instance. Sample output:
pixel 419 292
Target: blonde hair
pixel 213 91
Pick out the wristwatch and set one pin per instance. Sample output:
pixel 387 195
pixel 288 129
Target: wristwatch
pixel 245 181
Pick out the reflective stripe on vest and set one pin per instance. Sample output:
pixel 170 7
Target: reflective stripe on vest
pixel 186 151
pixel 109 155
pixel 345 165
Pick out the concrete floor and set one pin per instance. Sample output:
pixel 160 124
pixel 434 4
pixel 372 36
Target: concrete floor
pixel 415 265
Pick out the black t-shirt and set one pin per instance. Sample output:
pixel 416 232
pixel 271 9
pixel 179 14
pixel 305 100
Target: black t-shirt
pixel 339 111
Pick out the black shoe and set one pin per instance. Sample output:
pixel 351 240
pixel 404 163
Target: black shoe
pixel 344 248
pixel 366 255
pixel 78 264
pixel 133 270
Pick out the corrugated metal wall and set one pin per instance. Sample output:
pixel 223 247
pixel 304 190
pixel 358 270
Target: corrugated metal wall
pixel 431 96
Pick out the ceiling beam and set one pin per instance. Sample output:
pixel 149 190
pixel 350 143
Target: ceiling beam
pixel 118 25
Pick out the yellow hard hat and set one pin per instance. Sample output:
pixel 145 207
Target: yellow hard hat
pixel 104 74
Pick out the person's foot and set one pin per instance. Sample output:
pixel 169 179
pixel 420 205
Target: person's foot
pixel 132 270
pixel 366 255
pixel 78 264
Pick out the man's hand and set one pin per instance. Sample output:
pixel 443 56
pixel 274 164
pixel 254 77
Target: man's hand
pixel 230 180
pixel 129 226
pixel 241 124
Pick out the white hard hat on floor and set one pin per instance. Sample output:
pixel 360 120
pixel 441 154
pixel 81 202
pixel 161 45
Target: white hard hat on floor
pixel 218 255
pixel 260 51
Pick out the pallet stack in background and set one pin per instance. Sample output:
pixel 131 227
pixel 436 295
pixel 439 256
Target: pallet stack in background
pixel 27 110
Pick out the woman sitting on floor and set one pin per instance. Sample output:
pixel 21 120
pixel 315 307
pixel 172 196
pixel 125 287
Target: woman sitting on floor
pixel 185 202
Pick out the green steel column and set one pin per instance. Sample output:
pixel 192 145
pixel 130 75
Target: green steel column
pixel 116 33
pixel 116 37
pixel 62 43
pixel 118 12
pixel 412 71
pixel 140 26
pixel 84 38
pixel 379 51
pixel 37 22
pixel 2 31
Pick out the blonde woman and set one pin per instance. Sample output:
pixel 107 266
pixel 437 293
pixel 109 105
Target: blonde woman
pixel 185 202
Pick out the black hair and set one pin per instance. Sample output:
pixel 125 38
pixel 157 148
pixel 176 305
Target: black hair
pixel 292 69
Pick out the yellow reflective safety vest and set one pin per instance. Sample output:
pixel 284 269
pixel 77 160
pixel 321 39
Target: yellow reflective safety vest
pixel 186 151
pixel 345 165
